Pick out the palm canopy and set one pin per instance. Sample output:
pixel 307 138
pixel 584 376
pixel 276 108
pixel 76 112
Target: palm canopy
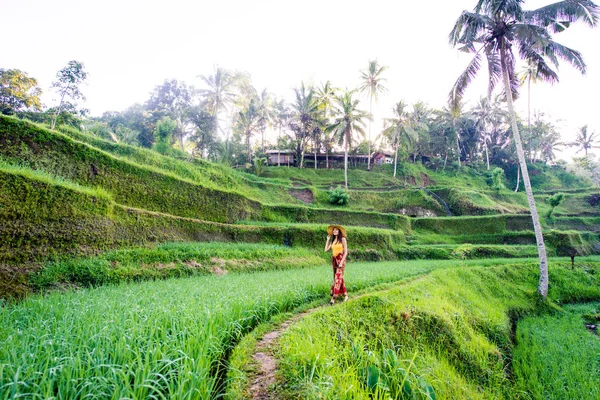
pixel 372 80
pixel 348 118
pixel 502 25
pixel 585 140
pixel 219 93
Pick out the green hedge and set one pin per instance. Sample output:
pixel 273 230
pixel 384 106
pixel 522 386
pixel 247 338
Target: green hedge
pixel 132 185
pixel 341 217
pixel 473 225
pixel 466 251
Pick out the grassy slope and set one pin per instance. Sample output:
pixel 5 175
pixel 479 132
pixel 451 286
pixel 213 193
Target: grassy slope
pixel 450 332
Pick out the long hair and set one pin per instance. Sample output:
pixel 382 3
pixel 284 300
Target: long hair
pixel 338 238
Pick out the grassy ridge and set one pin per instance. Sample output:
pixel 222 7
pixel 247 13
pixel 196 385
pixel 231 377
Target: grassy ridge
pixel 449 333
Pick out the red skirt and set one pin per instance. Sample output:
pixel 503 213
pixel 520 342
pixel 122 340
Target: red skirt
pixel 338 288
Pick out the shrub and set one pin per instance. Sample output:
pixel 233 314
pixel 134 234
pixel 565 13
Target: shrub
pixel 554 202
pixel 338 196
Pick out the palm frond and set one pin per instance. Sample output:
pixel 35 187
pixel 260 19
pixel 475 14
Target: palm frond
pixel 558 16
pixel 468 27
pixel 571 56
pixel 494 67
pixel 463 81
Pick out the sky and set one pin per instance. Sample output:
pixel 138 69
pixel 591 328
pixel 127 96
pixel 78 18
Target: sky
pixel 130 46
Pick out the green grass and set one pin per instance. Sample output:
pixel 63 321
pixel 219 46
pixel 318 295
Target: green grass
pixel 448 333
pixel 170 260
pixel 162 339
pixel 556 357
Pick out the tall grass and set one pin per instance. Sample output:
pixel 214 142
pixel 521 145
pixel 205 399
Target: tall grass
pixel 160 339
pixel 556 357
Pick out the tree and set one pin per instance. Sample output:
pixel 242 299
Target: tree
pixel 348 120
pixel 305 119
pixel 164 130
pixel 399 130
pixel 172 98
pixel 497 27
pixel 554 202
pixel 372 84
pixel 326 96
pixel 585 141
pixel 528 75
pixel 219 95
pixel 67 85
pixel 282 115
pixel 248 122
pixel 204 135
pixel 18 92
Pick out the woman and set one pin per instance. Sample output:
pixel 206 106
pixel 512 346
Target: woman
pixel 339 252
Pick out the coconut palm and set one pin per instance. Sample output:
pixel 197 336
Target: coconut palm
pixel 372 84
pixel 326 96
pixel 219 95
pixel 305 120
pixel 585 141
pixel 348 120
pixel 497 29
pixel 248 122
pixel 398 130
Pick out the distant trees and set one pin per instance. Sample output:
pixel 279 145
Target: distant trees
pixel 67 85
pixel 18 92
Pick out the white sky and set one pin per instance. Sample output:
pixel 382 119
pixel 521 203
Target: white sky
pixel 130 46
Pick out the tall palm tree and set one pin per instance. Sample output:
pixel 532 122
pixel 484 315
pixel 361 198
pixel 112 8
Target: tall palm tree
pixel 306 109
pixel 266 114
pixel 372 84
pixel 281 113
pixel 498 29
pixel 219 95
pixel 529 74
pixel 453 112
pixel 326 96
pixel 348 120
pixel 489 115
pixel 248 122
pixel 585 141
pixel 399 130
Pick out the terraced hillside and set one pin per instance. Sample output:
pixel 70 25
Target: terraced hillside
pixel 158 275
pixel 70 193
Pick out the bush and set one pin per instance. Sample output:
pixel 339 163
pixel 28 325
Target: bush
pixel 338 196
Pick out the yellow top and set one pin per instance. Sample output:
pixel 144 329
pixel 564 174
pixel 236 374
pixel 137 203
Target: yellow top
pixel 337 248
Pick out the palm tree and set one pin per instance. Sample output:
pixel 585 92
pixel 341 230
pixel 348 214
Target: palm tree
pixel 497 27
pixel 372 83
pixel 281 115
pixel 266 114
pixel 326 96
pixel 219 94
pixel 348 119
pixel 248 122
pixel 528 75
pixel 584 141
pixel 306 109
pixel 453 112
pixel 399 130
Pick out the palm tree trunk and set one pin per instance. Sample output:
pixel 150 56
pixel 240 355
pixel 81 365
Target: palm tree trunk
pixel 445 159
pixel 543 283
pixel 457 142
pixel 369 138
pixel 487 156
pixel 57 111
pixel 395 159
pixel 518 178
pixel 316 151
pixel 278 147
pixel 346 158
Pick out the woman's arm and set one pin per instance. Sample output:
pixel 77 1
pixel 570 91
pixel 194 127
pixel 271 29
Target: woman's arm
pixel 345 250
pixel 327 244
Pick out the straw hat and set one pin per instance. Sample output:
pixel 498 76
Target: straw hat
pixel 341 229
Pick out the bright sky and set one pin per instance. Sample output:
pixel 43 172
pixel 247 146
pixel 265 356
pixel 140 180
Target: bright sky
pixel 130 46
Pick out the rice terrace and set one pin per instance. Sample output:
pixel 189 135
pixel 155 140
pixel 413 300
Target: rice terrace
pixel 217 241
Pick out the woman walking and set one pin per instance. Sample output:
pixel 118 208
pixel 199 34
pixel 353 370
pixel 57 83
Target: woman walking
pixel 339 252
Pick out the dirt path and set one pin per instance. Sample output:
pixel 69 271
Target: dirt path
pixel 264 359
